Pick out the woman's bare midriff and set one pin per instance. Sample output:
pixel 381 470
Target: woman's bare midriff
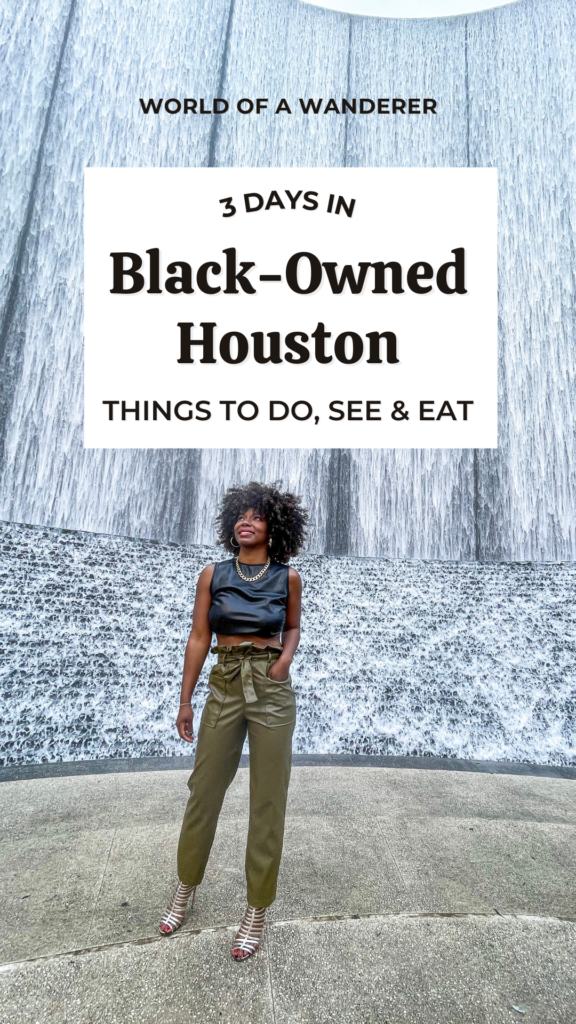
pixel 258 641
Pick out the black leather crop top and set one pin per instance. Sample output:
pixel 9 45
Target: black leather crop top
pixel 257 609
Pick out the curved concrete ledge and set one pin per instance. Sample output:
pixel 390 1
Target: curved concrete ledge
pixel 106 766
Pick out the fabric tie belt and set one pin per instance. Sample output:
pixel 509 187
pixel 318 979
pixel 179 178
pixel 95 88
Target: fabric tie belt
pixel 244 653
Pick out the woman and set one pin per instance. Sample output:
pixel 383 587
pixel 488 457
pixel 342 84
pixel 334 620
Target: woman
pixel 252 603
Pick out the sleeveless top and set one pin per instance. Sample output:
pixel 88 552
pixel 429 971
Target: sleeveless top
pixel 258 609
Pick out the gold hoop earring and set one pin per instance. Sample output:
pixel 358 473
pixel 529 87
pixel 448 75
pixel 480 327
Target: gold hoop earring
pixel 234 543
pixel 270 542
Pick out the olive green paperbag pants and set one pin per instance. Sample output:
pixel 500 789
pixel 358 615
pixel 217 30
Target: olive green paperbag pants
pixel 242 698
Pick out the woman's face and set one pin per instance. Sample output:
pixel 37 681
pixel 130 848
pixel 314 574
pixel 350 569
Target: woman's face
pixel 251 529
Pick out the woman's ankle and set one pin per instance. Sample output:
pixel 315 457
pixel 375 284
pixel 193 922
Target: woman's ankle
pixel 174 915
pixel 249 934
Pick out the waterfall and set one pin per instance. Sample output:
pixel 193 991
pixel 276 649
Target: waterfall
pixel 504 83
pixel 31 49
pixel 398 656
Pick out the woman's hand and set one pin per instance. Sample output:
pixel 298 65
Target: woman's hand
pixel 185 723
pixel 279 670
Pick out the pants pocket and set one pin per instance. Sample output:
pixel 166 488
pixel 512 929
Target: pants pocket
pixel 280 702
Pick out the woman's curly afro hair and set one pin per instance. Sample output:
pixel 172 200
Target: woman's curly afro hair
pixel 285 517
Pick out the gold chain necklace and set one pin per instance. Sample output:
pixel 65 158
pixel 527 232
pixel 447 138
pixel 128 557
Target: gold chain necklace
pixel 251 579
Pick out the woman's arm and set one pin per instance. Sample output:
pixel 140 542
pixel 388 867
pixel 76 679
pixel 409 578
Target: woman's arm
pixel 195 655
pixel 291 632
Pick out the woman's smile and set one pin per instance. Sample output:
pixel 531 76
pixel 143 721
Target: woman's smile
pixel 251 530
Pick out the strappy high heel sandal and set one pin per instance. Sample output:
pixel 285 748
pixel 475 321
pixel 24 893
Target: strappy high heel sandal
pixel 249 934
pixel 176 909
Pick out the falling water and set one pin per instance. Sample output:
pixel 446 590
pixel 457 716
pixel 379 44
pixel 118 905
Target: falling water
pixel 30 47
pixel 398 656
pixel 504 83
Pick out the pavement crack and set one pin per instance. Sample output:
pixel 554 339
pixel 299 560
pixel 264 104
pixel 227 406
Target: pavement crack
pixel 148 940
pixel 409 895
pixel 270 982
pixel 97 897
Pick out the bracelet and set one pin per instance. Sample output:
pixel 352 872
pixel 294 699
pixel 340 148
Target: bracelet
pixel 186 703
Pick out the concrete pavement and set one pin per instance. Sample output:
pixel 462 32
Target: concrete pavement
pixel 404 896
